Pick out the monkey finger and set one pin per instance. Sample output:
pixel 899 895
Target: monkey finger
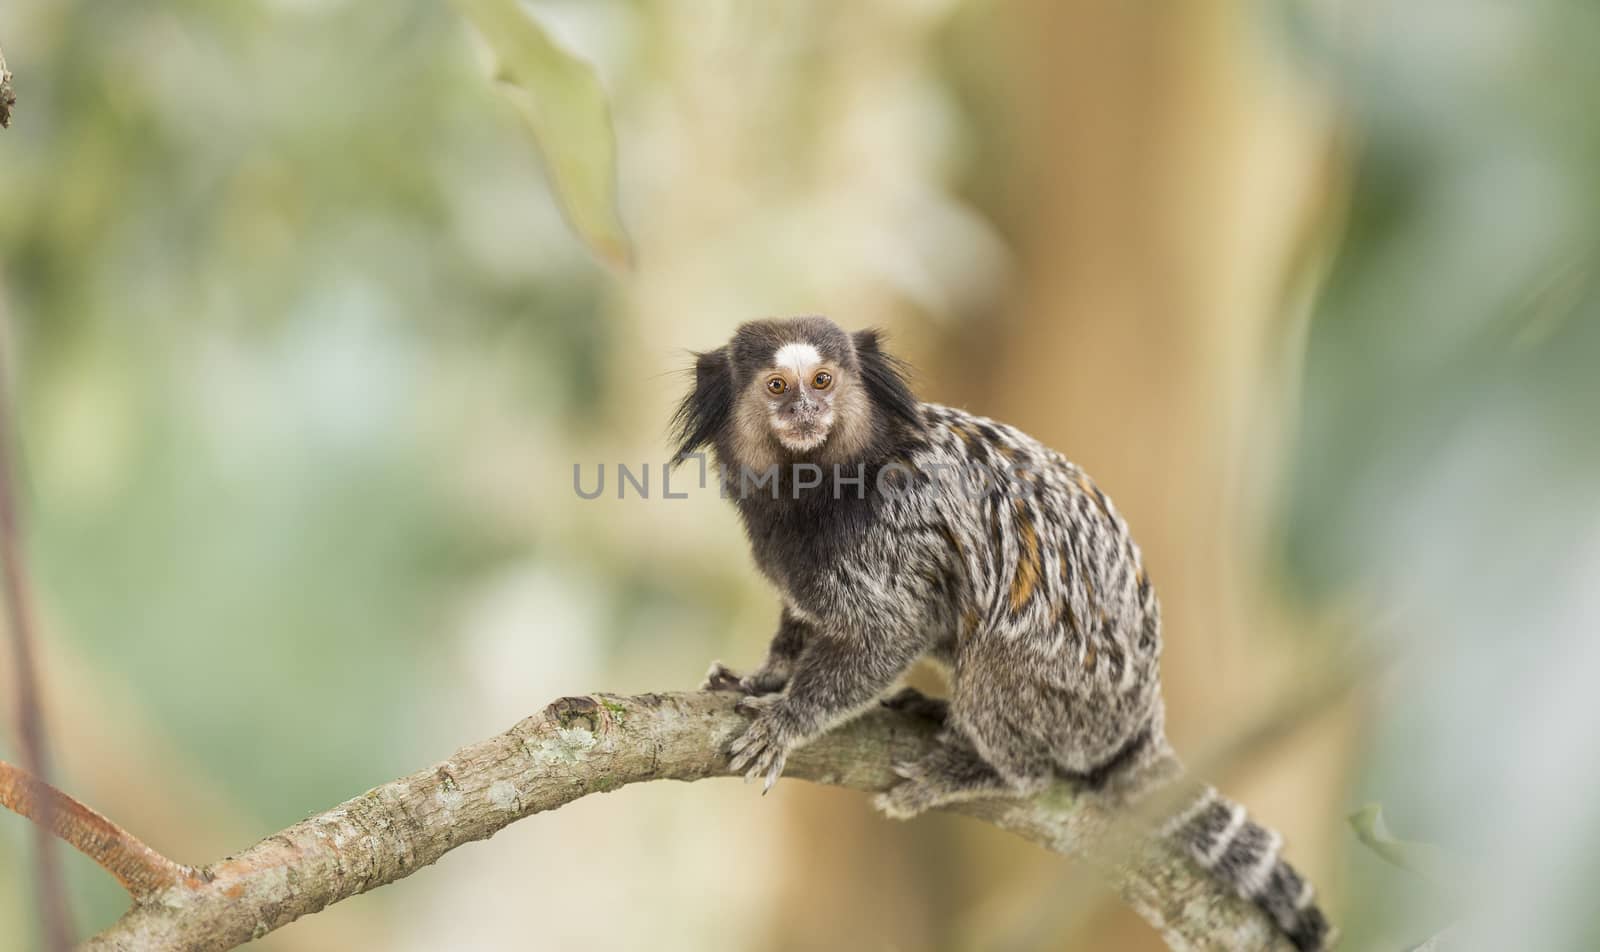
pixel 755 732
pixel 740 756
pixel 752 706
pixel 750 741
pixel 757 768
pixel 773 774
pixel 719 677
pixel 738 762
pixel 763 769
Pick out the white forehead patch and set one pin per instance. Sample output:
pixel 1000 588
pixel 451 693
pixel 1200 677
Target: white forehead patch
pixel 796 357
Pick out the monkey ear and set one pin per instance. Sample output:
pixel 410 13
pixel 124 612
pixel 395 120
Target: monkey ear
pixel 885 377
pixel 707 408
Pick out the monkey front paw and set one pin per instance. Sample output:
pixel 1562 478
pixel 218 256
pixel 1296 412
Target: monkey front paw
pixel 761 751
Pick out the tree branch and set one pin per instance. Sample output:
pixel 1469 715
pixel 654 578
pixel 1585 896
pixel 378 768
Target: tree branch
pixel 8 96
pixel 595 744
pixel 141 870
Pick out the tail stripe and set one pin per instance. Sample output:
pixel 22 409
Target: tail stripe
pixel 1194 809
pixel 1280 895
pixel 1235 824
pixel 1282 899
pixel 1244 856
pixel 1254 878
pixel 1214 830
pixel 1307 893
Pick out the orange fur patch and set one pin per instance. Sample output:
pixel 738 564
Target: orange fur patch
pixel 1029 564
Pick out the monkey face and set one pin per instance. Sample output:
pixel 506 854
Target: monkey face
pixel 796 387
pixel 799 389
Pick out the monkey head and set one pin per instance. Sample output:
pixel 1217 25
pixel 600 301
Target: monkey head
pixel 796 389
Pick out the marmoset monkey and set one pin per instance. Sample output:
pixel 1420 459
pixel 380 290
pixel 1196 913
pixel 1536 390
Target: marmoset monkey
pixel 895 530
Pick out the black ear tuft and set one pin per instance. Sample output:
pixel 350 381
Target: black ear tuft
pixel 885 377
pixel 705 411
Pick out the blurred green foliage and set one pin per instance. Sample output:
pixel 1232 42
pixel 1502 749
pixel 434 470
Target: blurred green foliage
pixel 244 280
pixel 1446 471
pixel 305 352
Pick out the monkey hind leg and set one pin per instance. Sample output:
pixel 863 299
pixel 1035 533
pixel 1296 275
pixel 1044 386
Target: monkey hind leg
pixel 953 772
pixel 914 702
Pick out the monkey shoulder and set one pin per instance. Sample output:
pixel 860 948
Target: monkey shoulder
pixel 985 450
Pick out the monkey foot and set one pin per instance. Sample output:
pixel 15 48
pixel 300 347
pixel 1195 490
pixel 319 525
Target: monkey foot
pixel 766 680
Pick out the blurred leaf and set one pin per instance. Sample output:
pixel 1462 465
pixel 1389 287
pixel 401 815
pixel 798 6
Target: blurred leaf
pixel 566 108
pixel 1422 858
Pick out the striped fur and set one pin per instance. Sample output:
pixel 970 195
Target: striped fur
pixel 967 542
pixel 1244 856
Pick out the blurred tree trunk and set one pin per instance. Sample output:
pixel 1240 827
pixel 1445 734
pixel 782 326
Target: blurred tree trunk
pixel 1155 172
pixel 1165 174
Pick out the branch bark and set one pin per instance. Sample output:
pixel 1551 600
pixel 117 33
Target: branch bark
pixel 595 744
pixel 141 870
pixel 8 96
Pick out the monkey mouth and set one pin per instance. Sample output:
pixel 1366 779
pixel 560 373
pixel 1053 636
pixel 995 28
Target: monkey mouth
pixel 800 436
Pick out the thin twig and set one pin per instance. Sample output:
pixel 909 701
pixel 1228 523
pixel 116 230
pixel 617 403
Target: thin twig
pixel 595 744
pixel 141 870
pixel 54 916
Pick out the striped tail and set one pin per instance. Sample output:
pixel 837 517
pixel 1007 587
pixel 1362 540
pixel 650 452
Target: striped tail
pixel 1243 855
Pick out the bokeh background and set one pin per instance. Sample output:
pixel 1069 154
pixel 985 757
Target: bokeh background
pixel 303 354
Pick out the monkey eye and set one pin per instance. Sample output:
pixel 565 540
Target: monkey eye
pixel 776 385
pixel 823 380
